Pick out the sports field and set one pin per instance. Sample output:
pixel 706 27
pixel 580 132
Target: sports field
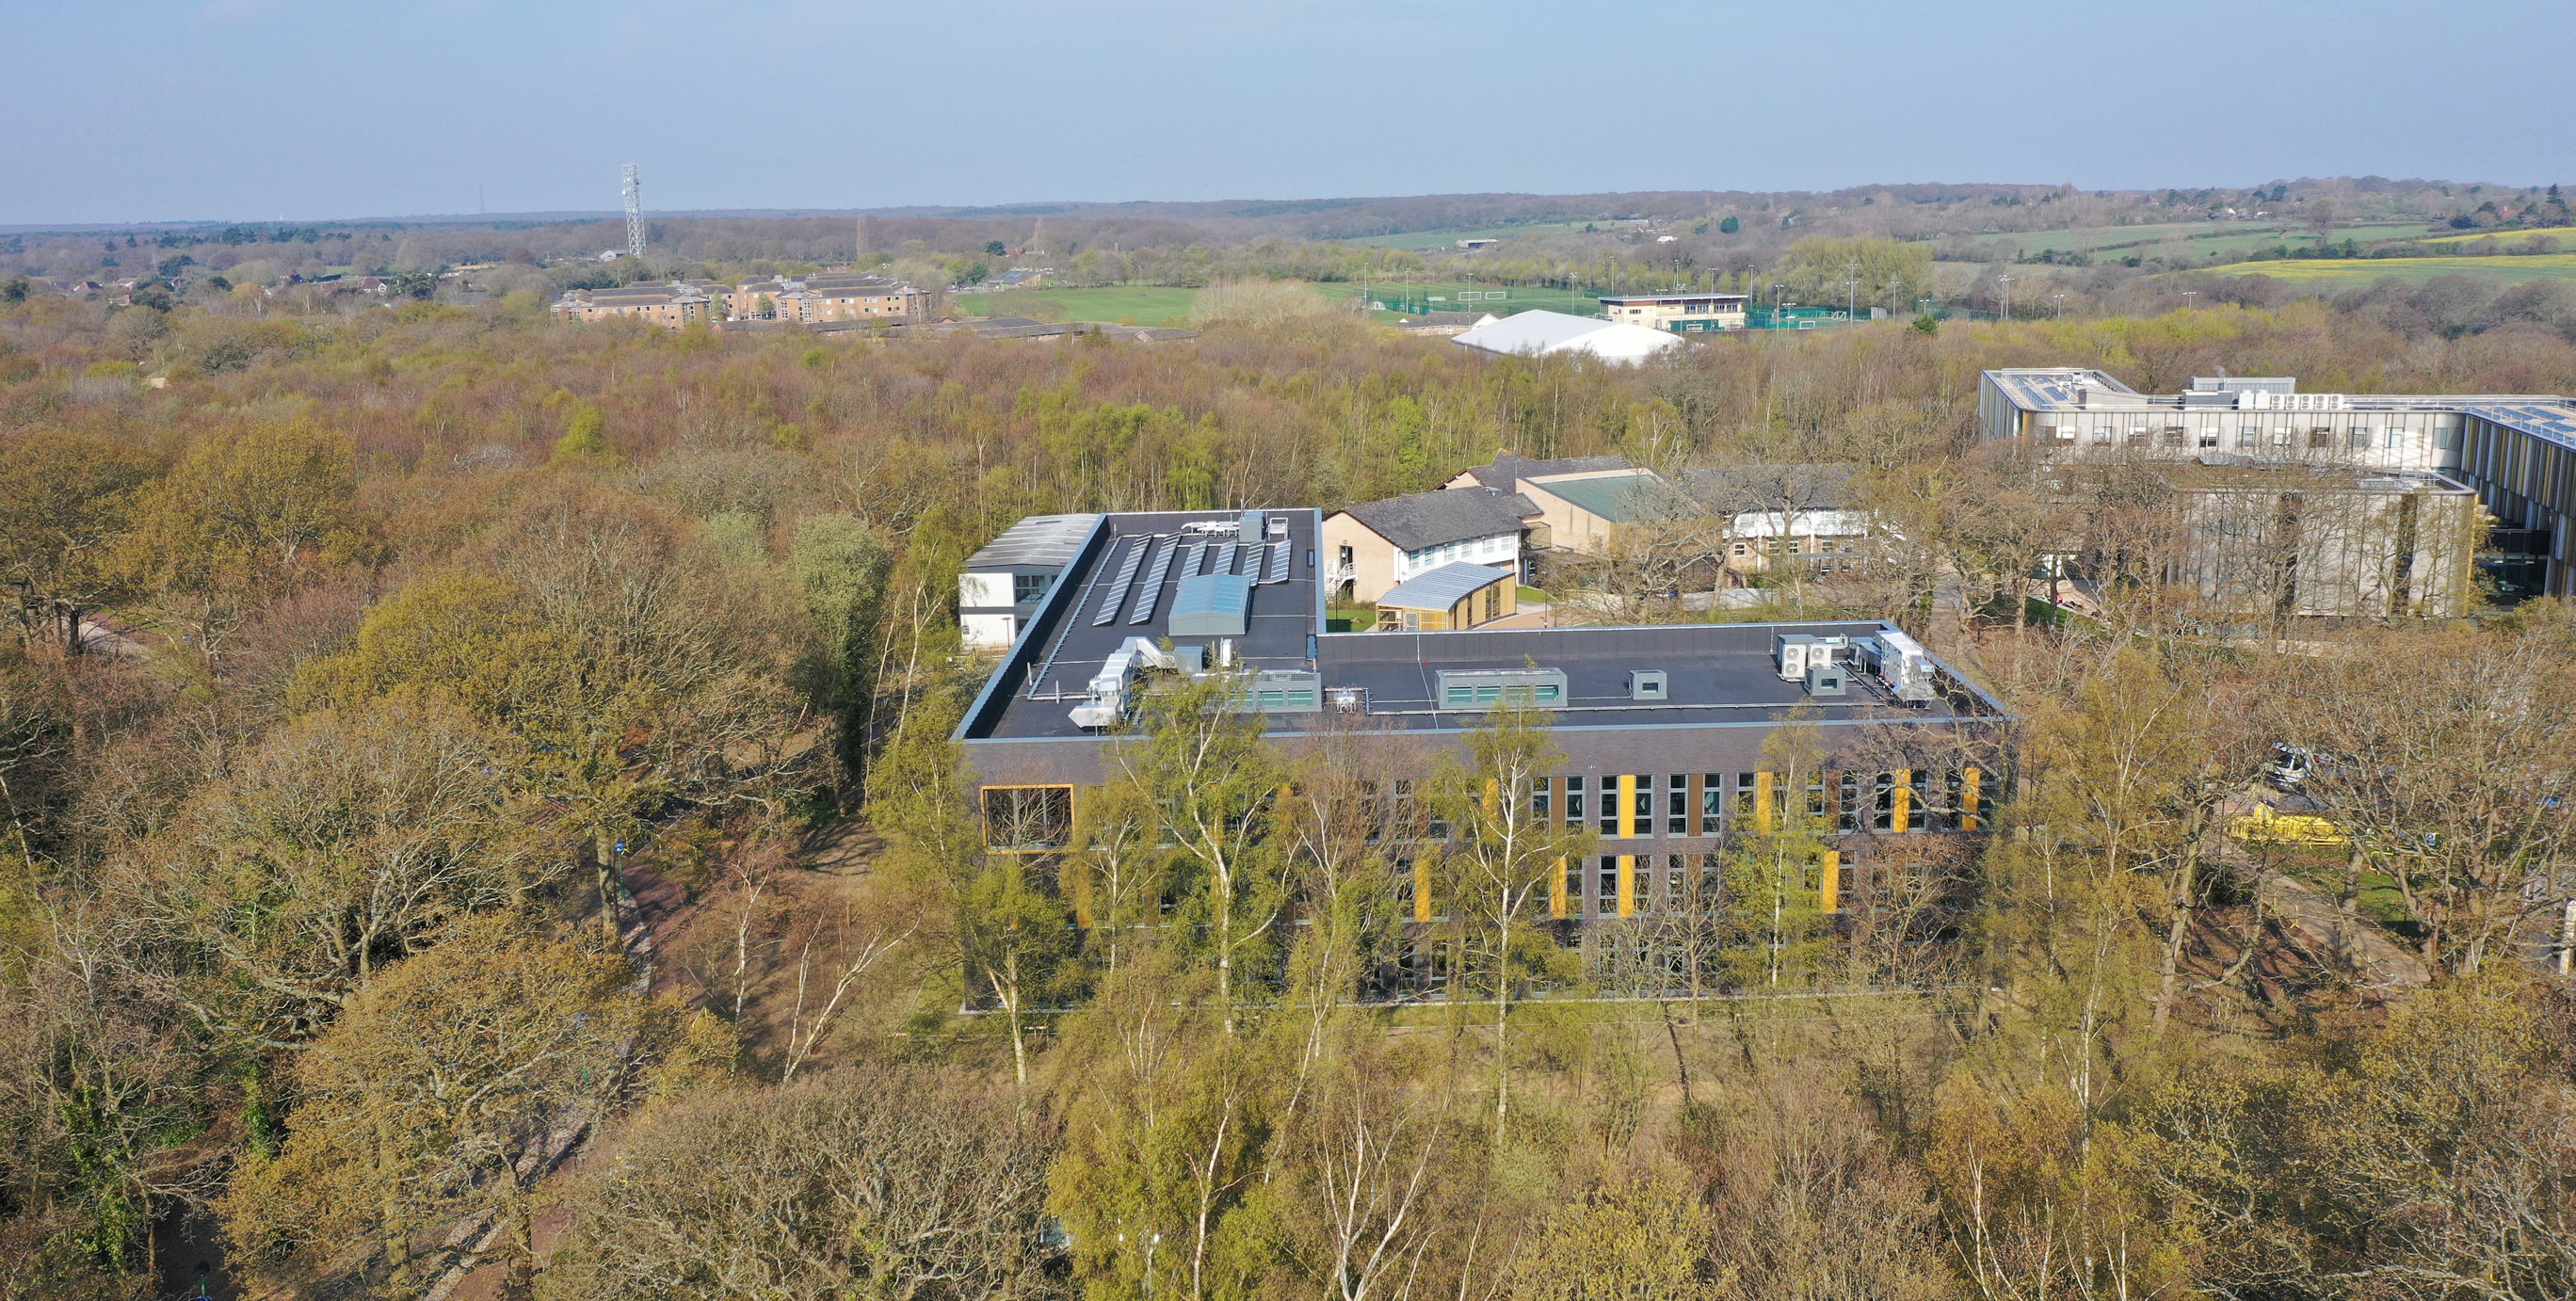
pixel 1450 237
pixel 1121 305
pixel 2330 275
pixel 1463 296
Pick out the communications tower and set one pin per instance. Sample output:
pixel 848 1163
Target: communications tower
pixel 634 215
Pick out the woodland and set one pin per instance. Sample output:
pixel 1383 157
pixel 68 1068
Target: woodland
pixel 483 823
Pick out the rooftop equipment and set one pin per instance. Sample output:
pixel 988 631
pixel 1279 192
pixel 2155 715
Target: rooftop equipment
pixel 1900 662
pixel 1793 652
pixel 1648 684
pixel 1480 688
pixel 1211 605
pixel 1107 703
pixel 1279 691
pixel 1789 654
pixel 1825 679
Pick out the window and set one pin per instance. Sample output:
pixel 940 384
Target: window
pixel 1739 548
pixel 1643 809
pixel 1605 899
pixel 2360 439
pixel 2209 438
pixel 1574 886
pixel 1607 807
pixel 1540 797
pixel 2396 439
pixel 1025 819
pixel 1712 802
pixel 1677 806
pixel 2245 436
pixel 1574 801
pixel 2320 439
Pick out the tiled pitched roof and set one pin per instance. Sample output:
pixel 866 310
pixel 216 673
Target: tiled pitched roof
pixel 1430 519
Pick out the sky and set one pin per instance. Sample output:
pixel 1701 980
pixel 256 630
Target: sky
pixel 254 110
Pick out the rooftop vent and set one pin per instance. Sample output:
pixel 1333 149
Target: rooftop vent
pixel 1648 684
pixel 1484 688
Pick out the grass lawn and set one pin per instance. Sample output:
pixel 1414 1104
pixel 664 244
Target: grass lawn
pixel 1122 305
pixel 2333 274
pixel 1528 595
pixel 2196 239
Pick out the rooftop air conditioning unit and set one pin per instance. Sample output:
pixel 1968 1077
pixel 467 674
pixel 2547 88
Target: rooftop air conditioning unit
pixel 1789 652
pixel 1825 679
pixel 1901 663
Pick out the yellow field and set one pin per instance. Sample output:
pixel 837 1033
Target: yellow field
pixel 2507 236
pixel 2323 273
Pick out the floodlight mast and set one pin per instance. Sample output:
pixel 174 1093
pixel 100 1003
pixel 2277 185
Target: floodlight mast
pixel 634 190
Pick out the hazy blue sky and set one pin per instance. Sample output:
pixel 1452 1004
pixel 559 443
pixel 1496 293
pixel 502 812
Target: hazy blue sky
pixel 258 109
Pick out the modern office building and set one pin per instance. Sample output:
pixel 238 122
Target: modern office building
pixel 1679 313
pixel 2272 541
pixel 1001 585
pixel 2517 452
pixel 1664 731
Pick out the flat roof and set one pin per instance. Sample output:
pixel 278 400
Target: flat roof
pixel 1721 674
pixel 1049 670
pixel 1675 298
pixel 2546 416
pixel 2298 476
pixel 1717 673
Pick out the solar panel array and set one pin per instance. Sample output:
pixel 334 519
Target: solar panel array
pixel 1109 606
pixel 2557 424
pixel 1190 555
pixel 1153 582
pixel 1278 564
pixel 1225 553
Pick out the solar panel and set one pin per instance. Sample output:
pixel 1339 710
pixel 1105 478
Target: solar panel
pixel 1225 557
pixel 1153 583
pixel 1190 553
pixel 1278 564
pixel 1117 597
